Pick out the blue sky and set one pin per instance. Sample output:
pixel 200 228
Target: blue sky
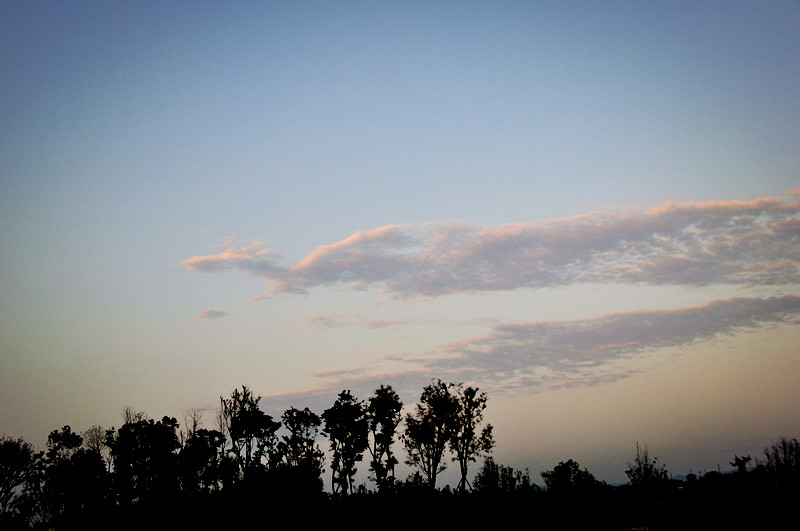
pixel 583 208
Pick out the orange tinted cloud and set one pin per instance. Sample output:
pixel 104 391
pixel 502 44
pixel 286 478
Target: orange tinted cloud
pixel 753 242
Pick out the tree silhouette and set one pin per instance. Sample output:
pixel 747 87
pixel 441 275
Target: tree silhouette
pixel 645 472
pixel 58 493
pixel 783 460
pixel 19 463
pixel 197 478
pixel 740 463
pixel 383 417
pixel 567 477
pixel 74 480
pixel 251 432
pixel 429 428
pixel 495 479
pixel 467 441
pixel 200 461
pixel 145 459
pixel 192 420
pixel 303 460
pixel 131 416
pixel 94 441
pixel 346 427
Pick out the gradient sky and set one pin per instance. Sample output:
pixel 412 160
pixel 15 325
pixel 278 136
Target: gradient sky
pixel 589 210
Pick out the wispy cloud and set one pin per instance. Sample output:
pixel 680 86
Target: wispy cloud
pixel 567 349
pixel 546 355
pixel 253 257
pixel 209 314
pixel 753 242
pixel 332 320
pixel 357 319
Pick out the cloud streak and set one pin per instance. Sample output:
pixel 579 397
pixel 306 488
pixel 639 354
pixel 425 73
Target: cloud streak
pixel 523 350
pixel 209 314
pixel 753 242
pixel 547 355
pixel 253 257
pixel 356 319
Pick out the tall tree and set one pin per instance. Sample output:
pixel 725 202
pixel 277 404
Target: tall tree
pixel 74 481
pixel 200 460
pixel 145 459
pixel 303 459
pixel 19 463
pixel 468 440
pixel 94 441
pixel 346 427
pixel 192 420
pixel 251 432
pixel 429 428
pixel 62 445
pixel 383 417
pixel 59 490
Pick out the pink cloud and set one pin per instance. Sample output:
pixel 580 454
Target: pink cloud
pixel 253 257
pixel 753 242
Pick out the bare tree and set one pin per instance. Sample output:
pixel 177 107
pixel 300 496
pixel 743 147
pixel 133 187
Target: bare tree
pixel 646 472
pixel 94 439
pixel 131 416
pixel 192 420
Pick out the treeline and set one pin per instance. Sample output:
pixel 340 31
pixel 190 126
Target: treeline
pixel 252 466
pixel 150 465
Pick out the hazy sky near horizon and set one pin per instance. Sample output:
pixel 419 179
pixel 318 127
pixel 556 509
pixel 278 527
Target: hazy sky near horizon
pixel 589 210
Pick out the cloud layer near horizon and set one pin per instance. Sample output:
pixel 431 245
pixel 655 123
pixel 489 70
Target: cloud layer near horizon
pixel 521 349
pixel 548 355
pixel 753 242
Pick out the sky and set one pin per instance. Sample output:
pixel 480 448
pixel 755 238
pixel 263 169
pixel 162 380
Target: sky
pixel 588 210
